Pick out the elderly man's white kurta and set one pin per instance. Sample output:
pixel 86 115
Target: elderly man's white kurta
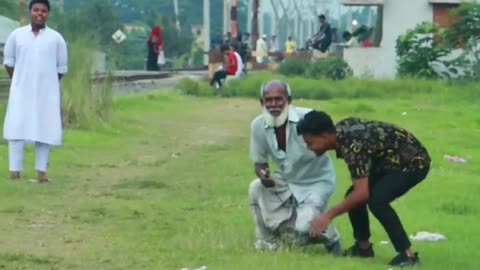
pixel 33 112
pixel 299 173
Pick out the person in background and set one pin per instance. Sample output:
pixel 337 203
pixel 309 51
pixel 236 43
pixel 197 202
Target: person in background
pixel 154 45
pixel 234 48
pixel 323 38
pixel 350 41
pixel 274 47
pixel 227 38
pixel 216 41
pixel 232 66
pixel 244 50
pixel 262 50
pixel 290 45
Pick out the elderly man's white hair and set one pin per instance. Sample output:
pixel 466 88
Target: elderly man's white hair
pixel 267 84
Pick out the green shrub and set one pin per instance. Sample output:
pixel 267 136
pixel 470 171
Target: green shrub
pixel 187 86
pixel 293 67
pixel 418 50
pixel 333 68
pixel 247 85
pixel 194 88
pixel 84 103
pixel 350 88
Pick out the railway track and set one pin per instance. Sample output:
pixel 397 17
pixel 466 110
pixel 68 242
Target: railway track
pixel 118 77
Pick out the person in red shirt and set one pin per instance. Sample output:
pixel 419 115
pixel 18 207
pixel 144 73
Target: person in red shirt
pixel 230 67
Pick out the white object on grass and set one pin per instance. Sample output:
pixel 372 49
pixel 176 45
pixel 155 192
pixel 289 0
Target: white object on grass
pixel 428 236
pixel 454 159
pixel 201 268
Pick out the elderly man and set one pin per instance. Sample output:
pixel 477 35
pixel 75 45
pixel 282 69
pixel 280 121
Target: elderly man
pixel 285 202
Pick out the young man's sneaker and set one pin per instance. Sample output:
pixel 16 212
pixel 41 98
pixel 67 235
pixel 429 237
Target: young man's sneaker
pixel 356 251
pixel 262 245
pixel 402 260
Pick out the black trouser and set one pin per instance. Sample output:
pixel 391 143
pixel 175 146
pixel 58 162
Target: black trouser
pixel 218 76
pixel 383 190
pixel 322 45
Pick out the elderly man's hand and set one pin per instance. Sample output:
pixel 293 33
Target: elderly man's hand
pixel 265 178
pixel 268 183
pixel 319 225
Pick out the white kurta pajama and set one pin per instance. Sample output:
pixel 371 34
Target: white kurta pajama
pixel 304 184
pixel 34 104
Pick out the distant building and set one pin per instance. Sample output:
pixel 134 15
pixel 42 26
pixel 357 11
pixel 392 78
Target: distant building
pixel 397 16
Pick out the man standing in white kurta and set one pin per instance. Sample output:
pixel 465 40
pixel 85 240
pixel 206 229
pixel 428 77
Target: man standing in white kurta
pixel 35 57
pixel 285 202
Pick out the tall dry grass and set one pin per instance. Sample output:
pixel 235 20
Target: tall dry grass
pixel 85 102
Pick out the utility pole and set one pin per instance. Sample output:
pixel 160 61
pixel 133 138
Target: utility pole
pixel 349 20
pixel 287 14
pixel 177 19
pixel 249 15
pixel 260 19
pixel 275 18
pixel 226 16
pixel 21 17
pixel 233 18
pixel 206 30
pixel 255 33
pixel 298 24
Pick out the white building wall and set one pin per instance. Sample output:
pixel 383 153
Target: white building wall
pixel 398 17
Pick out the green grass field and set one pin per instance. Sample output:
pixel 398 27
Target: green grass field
pixel 3 73
pixel 165 187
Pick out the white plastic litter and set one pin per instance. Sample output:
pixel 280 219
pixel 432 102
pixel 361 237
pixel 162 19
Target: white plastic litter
pixel 384 242
pixel 454 159
pixel 428 236
pixel 201 268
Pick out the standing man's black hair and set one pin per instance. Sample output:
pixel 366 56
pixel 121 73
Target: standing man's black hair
pixel 45 2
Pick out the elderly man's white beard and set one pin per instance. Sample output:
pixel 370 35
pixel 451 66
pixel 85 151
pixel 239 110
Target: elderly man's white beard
pixel 273 121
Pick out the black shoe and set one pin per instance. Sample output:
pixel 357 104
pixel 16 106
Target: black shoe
pixel 335 248
pixel 402 260
pixel 356 251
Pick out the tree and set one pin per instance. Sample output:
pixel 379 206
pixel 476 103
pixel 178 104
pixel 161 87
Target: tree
pixel 9 8
pixel 418 52
pixel 466 32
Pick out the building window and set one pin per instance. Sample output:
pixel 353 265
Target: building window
pixel 442 15
pixel 370 30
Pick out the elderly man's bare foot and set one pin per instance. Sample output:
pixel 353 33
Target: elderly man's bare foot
pixel 42 177
pixel 15 176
